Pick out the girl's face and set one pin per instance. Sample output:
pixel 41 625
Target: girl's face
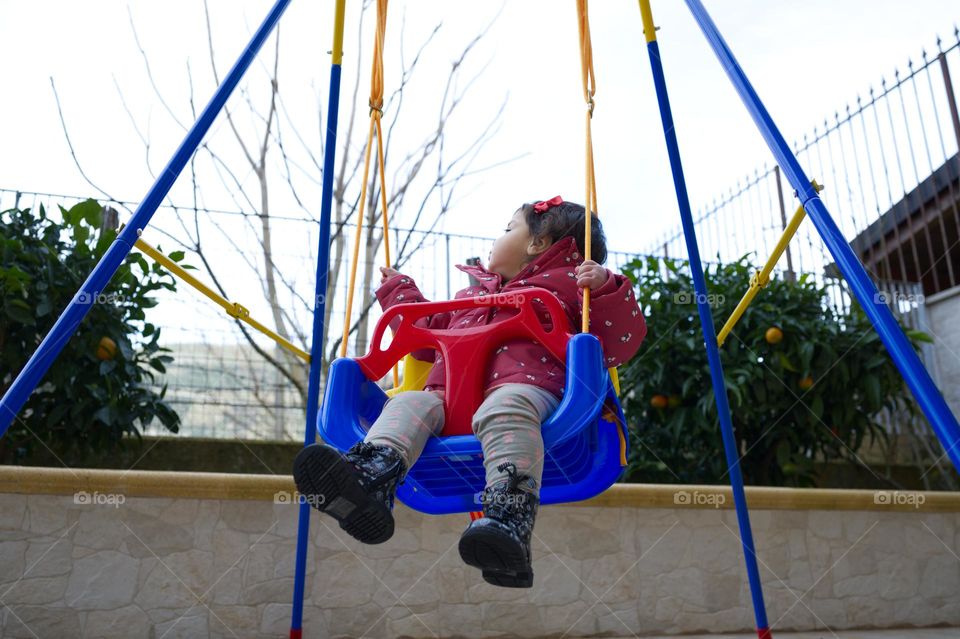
pixel 515 248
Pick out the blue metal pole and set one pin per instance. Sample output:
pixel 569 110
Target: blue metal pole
pixel 904 356
pixel 710 339
pixel 41 360
pixel 319 307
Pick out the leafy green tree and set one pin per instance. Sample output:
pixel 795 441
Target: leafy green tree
pixel 805 383
pixel 101 388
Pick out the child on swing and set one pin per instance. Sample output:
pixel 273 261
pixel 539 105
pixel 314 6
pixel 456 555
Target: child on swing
pixel 541 246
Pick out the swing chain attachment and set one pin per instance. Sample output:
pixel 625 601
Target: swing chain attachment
pixel 759 280
pixel 235 310
pixel 238 311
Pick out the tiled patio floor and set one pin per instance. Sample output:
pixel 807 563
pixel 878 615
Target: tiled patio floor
pixel 906 633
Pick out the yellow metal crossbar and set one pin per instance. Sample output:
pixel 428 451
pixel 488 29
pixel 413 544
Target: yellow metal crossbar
pixel 233 309
pixel 761 278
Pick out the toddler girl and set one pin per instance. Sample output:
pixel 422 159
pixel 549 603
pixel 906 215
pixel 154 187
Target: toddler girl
pixel 541 246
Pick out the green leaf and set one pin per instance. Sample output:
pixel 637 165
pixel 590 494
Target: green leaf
pixel 105 415
pixel 919 336
pixel 785 362
pixel 89 211
pixel 69 218
pixel 19 311
pixel 872 385
pixel 816 406
pixel 81 234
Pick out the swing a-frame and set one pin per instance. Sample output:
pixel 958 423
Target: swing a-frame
pixel 597 442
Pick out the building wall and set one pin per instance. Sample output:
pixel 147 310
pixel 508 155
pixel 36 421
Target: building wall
pixel 944 317
pixel 118 565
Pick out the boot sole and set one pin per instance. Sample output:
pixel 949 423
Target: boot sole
pixel 502 562
pixel 329 483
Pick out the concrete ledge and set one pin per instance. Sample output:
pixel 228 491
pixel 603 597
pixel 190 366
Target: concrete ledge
pixel 65 481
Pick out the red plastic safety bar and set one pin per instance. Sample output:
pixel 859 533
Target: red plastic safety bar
pixel 466 351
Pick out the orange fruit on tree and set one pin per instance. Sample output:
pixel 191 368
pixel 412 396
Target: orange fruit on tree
pixel 806 383
pixel 106 349
pixel 659 401
pixel 773 335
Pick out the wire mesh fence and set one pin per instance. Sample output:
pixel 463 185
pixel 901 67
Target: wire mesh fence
pixel 229 382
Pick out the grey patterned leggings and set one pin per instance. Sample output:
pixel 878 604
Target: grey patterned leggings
pixel 507 425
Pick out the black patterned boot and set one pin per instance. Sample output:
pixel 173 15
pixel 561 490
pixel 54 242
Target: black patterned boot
pixel 356 488
pixel 499 542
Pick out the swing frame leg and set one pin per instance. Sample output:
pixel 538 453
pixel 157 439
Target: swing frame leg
pixel 320 296
pixel 706 321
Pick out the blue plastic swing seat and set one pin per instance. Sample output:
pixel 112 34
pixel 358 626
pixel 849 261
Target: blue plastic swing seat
pixel 582 449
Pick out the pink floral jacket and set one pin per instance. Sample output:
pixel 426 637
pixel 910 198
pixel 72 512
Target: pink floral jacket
pixel 615 318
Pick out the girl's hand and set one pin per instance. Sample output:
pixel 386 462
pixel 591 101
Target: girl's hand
pixel 387 273
pixel 590 274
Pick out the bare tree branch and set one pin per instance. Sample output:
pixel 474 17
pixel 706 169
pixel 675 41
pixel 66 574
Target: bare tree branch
pixel 73 153
pixel 270 154
pixel 146 62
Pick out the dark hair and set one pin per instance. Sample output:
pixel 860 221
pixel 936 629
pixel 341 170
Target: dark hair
pixel 567 220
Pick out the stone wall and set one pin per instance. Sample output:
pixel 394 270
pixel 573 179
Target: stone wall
pixel 121 565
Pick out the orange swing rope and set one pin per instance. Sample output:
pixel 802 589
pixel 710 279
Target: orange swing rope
pixel 589 90
pixel 375 132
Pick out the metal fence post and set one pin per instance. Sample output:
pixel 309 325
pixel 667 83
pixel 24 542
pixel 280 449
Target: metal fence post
pixel 951 97
pixel 790 275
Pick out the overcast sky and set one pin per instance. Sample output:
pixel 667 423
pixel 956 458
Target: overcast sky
pixel 806 59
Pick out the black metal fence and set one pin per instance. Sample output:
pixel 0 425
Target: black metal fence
pixel 889 162
pixel 219 382
pixel 226 385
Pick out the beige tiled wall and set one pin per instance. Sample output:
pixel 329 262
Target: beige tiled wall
pixel 165 567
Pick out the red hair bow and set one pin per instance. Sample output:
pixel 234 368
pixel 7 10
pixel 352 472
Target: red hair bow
pixel 543 205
